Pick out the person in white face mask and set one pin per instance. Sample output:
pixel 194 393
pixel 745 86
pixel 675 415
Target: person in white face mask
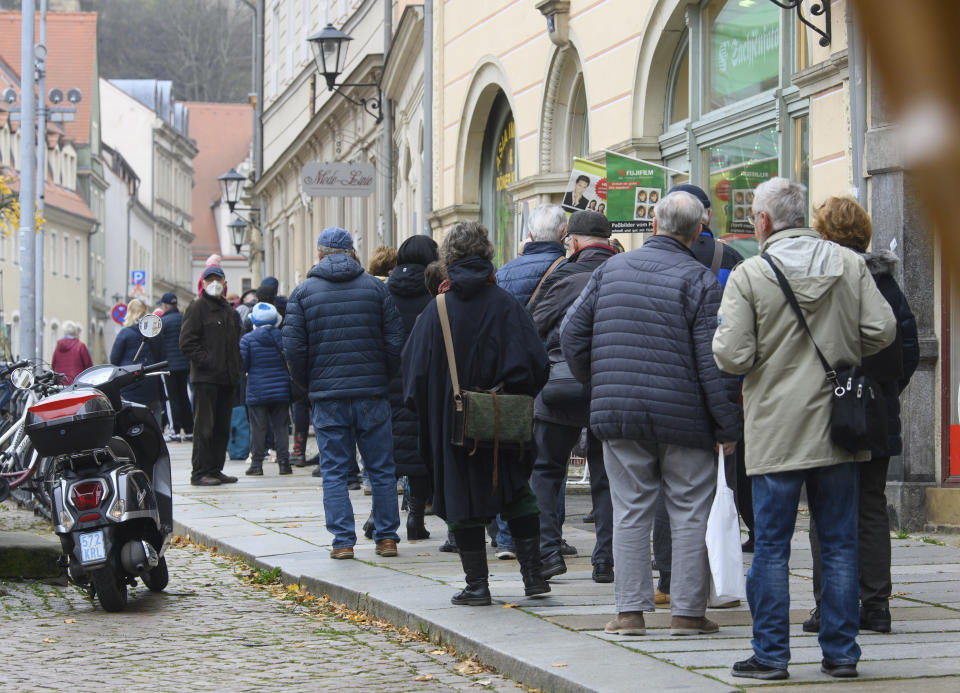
pixel 210 339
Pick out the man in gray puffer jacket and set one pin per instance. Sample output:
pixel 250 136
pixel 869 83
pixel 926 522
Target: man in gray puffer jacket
pixel 640 334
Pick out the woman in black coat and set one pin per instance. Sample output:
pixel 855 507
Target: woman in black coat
pixel 410 295
pixel 149 391
pixel 494 342
pixel 844 221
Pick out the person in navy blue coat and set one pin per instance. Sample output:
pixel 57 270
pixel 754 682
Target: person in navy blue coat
pixel 128 341
pixel 409 292
pixel 268 387
pixel 342 335
pixel 179 367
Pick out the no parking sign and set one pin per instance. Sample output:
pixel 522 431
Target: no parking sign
pixel 119 313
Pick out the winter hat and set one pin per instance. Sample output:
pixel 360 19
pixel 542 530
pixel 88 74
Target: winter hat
pixel 267 291
pixel 694 190
pixel 335 237
pixel 170 298
pixel 213 260
pixel 264 314
pixel 587 223
pixel 417 250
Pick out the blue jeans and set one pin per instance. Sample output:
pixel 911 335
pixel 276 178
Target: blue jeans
pixel 504 537
pixel 832 495
pixel 341 426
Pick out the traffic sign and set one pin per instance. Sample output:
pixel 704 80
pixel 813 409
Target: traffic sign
pixel 119 313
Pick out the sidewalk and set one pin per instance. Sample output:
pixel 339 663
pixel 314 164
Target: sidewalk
pixel 557 642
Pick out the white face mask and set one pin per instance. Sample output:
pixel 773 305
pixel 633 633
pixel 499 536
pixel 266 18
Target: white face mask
pixel 214 289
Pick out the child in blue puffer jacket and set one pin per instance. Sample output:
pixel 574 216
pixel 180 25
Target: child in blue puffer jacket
pixel 268 387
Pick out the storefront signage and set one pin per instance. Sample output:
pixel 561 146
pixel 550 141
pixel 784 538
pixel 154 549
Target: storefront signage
pixel 337 179
pixel 633 189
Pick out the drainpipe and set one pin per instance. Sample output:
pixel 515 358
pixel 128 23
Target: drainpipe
pixel 856 59
pixel 387 133
pixel 42 179
pixel 28 181
pixel 427 115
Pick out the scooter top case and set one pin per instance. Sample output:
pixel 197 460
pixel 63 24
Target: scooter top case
pixel 70 422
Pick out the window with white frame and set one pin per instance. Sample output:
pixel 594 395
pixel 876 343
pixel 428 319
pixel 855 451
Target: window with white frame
pixel 277 54
pixel 306 24
pixel 76 259
pixel 728 88
pixel 290 43
pixel 66 255
pixel 53 253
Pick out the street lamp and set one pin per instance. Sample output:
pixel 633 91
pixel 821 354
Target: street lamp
pixel 238 229
pixel 230 184
pixel 330 54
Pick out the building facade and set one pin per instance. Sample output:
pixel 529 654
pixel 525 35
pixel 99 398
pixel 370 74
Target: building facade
pixel 720 93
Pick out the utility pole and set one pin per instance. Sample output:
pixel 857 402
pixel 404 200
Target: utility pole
pixel 427 115
pixel 27 182
pixel 387 112
pixel 41 170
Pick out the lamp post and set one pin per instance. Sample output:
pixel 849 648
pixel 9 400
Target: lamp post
pixel 238 229
pixel 330 55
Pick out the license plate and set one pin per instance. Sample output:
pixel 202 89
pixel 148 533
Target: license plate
pixel 91 547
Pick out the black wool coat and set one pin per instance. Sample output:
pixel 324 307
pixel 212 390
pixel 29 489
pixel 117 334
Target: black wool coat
pixel 494 341
pixel 410 296
pixel 210 339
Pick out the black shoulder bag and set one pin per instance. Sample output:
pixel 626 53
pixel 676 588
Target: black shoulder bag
pixel 858 418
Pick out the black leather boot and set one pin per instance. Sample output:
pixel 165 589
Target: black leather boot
pixel 415 527
pixel 298 458
pixel 528 555
pixel 477 592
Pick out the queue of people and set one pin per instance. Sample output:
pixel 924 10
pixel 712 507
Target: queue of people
pixel 663 355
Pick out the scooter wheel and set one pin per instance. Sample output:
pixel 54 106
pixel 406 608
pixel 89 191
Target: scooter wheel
pixel 156 580
pixel 110 589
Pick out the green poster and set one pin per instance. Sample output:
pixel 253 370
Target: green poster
pixel 633 189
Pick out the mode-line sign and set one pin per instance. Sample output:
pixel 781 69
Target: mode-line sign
pixel 337 179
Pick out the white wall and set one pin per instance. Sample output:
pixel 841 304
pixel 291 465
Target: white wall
pixel 127 126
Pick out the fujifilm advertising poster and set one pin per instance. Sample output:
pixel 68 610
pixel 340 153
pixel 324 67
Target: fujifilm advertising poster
pixel 633 189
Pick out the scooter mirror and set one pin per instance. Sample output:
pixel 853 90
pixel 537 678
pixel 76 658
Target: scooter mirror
pixel 150 325
pixel 22 378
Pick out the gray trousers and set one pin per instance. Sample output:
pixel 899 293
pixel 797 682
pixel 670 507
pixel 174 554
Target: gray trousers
pixel 637 471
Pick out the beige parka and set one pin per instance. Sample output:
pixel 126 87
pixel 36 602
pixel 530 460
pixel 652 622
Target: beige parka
pixel 786 396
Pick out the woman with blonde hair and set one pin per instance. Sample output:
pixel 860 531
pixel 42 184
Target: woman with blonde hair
pixel 843 221
pixel 149 391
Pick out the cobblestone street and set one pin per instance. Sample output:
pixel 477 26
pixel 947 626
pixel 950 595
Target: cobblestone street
pixel 207 631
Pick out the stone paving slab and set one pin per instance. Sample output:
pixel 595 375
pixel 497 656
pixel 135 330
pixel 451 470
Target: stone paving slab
pixel 284 516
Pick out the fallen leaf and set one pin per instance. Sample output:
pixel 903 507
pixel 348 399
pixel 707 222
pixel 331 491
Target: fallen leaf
pixel 510 606
pixel 298 646
pixel 49 640
pixel 424 677
pixel 559 664
pixel 423 554
pixel 438 652
pixel 483 682
pixel 70 620
pixel 292 526
pixel 258 534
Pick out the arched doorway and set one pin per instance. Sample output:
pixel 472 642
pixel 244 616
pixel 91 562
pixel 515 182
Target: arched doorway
pixel 498 169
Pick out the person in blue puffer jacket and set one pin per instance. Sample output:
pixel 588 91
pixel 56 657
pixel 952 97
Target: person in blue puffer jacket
pixel 268 387
pixel 544 246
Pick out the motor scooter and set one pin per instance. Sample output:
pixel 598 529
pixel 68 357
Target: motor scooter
pixel 110 483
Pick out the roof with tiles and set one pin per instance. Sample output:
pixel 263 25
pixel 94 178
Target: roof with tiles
pixel 71 60
pixel 223 133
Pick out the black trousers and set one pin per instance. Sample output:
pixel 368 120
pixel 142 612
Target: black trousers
pixel 269 417
pixel 179 401
pixel 212 407
pixel 301 416
pixel 873 539
pixel 554 443
pixel 743 491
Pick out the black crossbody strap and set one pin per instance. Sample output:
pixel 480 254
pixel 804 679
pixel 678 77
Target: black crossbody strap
pixel 792 300
pixel 283 359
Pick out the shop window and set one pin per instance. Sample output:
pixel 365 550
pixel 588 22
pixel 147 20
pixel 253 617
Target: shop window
pixel 743 50
pixel 498 169
pixel 747 123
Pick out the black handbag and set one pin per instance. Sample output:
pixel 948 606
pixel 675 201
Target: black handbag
pixel 562 389
pixel 858 418
pixel 298 392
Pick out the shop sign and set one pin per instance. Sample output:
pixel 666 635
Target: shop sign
pixel 337 179
pixel 633 188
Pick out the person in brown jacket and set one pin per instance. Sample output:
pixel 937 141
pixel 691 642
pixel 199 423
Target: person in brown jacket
pixel 210 339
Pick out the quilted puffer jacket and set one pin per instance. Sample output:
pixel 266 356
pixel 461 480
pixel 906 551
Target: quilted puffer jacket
pixel 640 333
pixel 267 379
pixel 521 275
pixel 342 333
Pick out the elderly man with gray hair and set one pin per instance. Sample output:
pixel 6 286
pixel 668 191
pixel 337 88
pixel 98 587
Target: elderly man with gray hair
pixel 787 399
pixel 541 252
pixel 640 335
